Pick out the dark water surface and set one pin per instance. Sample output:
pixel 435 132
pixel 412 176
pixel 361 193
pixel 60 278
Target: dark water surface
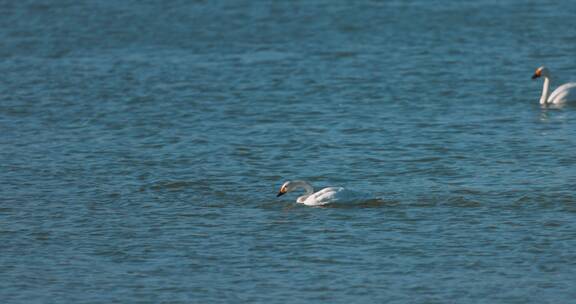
pixel 142 144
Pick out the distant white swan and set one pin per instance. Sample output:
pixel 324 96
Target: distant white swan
pixel 562 94
pixel 322 197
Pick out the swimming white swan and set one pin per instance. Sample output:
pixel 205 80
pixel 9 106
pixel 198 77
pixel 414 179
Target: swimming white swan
pixel 322 197
pixel 562 94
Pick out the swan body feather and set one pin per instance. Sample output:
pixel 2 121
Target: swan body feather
pixel 564 93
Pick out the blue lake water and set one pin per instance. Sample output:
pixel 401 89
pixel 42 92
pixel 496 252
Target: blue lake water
pixel 143 144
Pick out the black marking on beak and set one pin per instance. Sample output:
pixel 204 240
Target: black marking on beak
pixel 280 194
pixel 535 76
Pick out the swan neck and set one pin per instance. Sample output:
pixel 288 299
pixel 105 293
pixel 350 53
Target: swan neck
pixel 306 186
pixel 545 90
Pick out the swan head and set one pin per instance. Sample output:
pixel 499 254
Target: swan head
pixel 285 188
pixel 290 186
pixel 541 72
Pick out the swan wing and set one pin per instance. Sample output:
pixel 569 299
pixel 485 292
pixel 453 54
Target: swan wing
pixel 324 196
pixel 334 195
pixel 563 93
